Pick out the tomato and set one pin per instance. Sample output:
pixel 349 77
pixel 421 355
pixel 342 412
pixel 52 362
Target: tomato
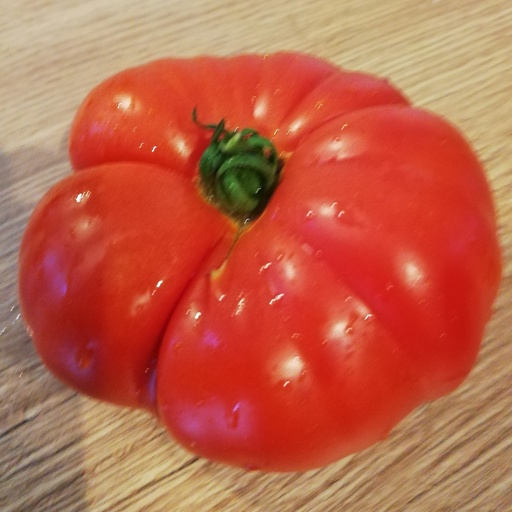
pixel 279 258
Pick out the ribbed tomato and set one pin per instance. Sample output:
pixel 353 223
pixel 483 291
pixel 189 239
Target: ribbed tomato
pixel 278 257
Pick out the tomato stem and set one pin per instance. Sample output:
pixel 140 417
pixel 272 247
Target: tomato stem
pixel 239 170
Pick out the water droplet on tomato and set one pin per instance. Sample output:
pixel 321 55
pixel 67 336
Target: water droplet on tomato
pixel 85 355
pixel 234 416
pixel 124 102
pixel 264 267
pixel 277 298
pixel 83 196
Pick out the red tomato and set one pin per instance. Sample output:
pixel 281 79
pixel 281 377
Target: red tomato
pixel 283 339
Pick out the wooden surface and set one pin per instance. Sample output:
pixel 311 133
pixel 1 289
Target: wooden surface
pixel 63 452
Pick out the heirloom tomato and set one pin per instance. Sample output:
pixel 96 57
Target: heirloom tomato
pixel 279 258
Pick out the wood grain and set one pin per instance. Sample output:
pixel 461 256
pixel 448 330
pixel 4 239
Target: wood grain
pixel 63 452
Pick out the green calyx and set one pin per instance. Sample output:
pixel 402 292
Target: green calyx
pixel 239 171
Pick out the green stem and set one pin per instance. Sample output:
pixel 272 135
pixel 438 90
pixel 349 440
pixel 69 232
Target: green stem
pixel 239 171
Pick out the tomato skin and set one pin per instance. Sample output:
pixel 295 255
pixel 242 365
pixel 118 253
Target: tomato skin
pixel 361 292
pixel 144 113
pixel 101 267
pixel 253 393
pixel 433 287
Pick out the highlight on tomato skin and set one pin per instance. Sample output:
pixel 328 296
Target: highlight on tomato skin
pixel 280 265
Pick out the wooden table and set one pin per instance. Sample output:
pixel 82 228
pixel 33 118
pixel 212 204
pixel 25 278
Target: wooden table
pixel 64 452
